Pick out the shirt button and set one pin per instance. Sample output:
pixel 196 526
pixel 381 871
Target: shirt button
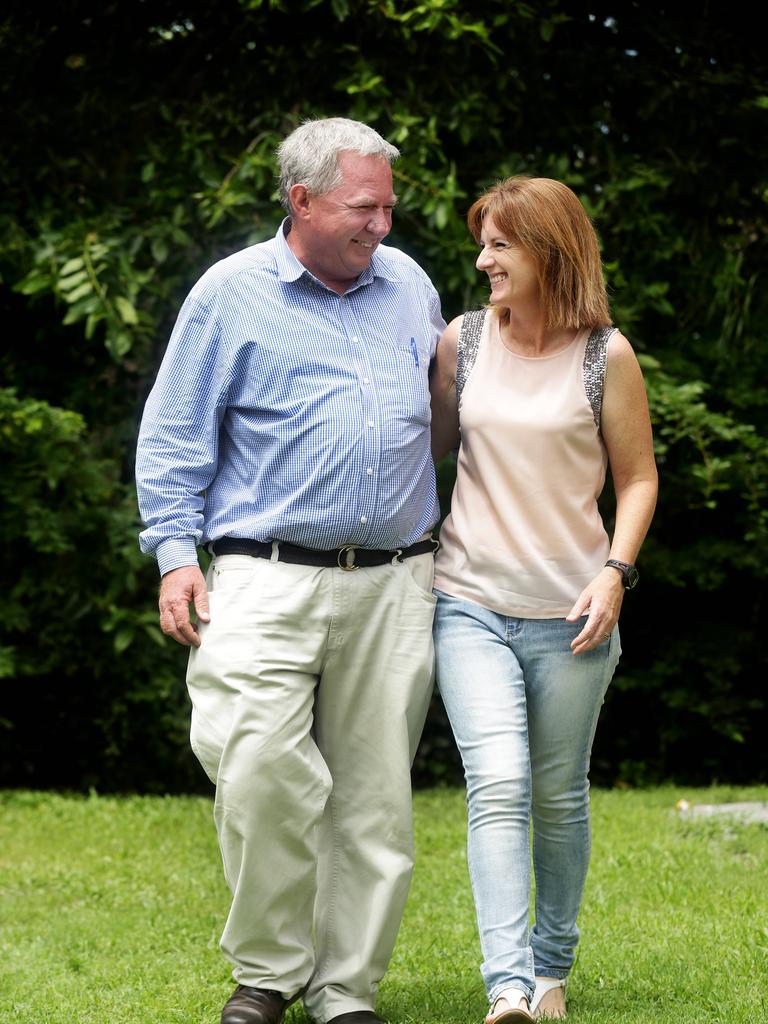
pixel 366 381
pixel 355 339
pixel 369 471
pixel 371 423
pixel 363 519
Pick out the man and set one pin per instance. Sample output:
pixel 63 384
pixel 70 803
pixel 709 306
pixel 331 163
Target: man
pixel 288 430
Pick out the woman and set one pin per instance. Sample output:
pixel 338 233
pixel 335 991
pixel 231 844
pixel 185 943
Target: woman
pixel 543 395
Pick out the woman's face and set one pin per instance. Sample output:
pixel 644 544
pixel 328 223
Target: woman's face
pixel 511 271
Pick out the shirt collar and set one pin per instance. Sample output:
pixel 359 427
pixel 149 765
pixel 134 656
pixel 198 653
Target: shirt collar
pixel 289 268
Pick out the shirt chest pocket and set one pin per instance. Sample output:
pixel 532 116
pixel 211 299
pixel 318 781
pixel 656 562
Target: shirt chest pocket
pixel 414 348
pixel 403 382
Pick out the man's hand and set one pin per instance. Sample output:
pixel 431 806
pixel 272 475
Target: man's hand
pixel 178 588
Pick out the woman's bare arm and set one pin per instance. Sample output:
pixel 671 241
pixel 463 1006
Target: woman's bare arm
pixel 626 430
pixel 442 385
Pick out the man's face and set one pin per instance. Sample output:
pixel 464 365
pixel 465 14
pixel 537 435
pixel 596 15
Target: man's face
pixel 341 229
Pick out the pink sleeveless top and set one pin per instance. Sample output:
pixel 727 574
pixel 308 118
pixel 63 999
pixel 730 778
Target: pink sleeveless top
pixel 524 535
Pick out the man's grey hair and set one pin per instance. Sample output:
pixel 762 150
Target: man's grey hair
pixel 310 154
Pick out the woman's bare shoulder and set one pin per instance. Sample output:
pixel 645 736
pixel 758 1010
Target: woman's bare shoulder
pixel 619 346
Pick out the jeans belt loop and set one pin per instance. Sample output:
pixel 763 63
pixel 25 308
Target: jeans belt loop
pixel 275 556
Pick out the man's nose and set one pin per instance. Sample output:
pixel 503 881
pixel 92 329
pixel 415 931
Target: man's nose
pixel 380 223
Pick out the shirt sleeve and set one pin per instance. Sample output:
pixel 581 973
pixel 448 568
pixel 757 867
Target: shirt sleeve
pixel 178 446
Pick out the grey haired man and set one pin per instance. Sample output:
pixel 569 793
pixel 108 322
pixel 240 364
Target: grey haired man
pixel 288 431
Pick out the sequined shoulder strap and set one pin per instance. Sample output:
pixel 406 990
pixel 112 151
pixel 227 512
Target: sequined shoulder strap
pixel 468 345
pixel 595 356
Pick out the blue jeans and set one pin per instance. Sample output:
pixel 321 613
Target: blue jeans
pixel 523 710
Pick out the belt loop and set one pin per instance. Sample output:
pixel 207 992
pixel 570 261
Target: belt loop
pixel 275 556
pixel 397 558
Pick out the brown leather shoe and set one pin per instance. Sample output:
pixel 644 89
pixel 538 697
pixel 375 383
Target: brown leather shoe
pixel 356 1017
pixel 253 1006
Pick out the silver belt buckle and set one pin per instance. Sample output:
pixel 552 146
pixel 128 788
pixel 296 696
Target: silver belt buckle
pixel 348 554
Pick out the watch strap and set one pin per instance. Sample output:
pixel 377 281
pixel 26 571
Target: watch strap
pixel 629 573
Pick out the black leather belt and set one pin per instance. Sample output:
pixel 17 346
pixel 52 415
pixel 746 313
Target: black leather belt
pixel 349 557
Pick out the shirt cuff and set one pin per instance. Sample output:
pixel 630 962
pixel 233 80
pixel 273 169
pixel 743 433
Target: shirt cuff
pixel 176 552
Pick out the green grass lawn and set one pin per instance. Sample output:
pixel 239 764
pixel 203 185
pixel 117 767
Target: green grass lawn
pixel 111 910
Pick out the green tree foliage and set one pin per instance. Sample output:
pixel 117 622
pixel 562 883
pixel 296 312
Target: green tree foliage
pixel 93 694
pixel 139 142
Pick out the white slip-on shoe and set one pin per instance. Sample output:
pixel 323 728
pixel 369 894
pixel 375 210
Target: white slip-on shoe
pixel 549 1008
pixel 517 1011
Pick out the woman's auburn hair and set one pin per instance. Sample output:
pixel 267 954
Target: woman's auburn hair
pixel 545 218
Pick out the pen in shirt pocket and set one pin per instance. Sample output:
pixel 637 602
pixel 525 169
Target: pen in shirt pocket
pixel 414 351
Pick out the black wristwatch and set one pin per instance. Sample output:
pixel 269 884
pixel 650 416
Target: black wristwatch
pixel 629 574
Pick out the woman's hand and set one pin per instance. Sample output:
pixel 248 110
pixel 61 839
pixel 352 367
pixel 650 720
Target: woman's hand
pixel 601 600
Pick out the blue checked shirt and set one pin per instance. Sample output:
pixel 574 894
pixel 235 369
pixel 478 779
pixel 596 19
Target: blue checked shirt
pixel 285 411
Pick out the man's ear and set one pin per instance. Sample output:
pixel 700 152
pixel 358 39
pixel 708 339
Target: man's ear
pixel 300 201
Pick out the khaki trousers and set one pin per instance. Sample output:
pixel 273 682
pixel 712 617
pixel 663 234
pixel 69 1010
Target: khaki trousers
pixel 309 693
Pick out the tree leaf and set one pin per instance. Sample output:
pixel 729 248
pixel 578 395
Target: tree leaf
pixel 68 283
pixel 123 639
pixel 77 293
pixel 76 263
pixel 126 310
